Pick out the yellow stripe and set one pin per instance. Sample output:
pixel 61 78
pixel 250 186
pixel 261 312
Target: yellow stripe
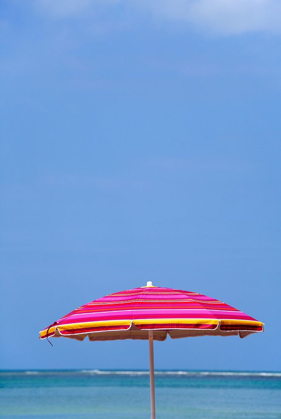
pixel 95 324
pixel 84 325
pixel 72 326
pixel 175 321
pixel 43 333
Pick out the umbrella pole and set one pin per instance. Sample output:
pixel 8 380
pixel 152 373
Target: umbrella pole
pixel 151 365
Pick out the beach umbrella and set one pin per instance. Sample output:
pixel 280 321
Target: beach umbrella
pixel 152 313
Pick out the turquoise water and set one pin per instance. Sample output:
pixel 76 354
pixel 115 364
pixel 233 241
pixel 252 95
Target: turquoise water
pixel 125 394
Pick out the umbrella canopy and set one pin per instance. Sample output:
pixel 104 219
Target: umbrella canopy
pixel 130 314
pixel 152 313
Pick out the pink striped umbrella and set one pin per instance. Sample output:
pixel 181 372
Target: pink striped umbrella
pixel 152 313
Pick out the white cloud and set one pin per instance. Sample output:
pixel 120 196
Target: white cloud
pixel 224 16
pixel 218 16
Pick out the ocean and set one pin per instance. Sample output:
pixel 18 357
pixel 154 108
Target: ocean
pixel 125 394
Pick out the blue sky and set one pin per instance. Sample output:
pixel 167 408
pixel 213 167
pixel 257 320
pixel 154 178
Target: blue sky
pixel 139 142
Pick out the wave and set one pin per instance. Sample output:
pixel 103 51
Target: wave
pixel 21 372
pixel 163 373
pixel 239 374
pixel 31 372
pixel 185 373
pixel 104 372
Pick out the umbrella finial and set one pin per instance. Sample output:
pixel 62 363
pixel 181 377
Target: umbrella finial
pixel 149 284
